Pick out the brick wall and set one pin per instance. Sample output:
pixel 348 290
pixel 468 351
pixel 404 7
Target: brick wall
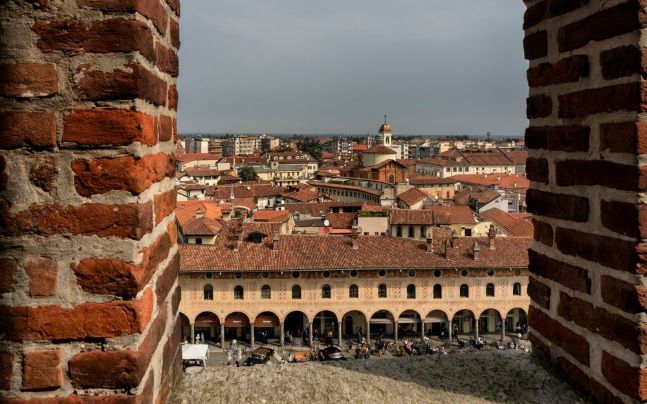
pixel 88 265
pixel 586 137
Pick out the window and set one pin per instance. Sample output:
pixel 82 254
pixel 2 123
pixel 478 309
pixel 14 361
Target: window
pixel 198 240
pixel 381 273
pixel 325 292
pixel 353 274
pixel 296 292
pixel 423 232
pixel 468 232
pixel 490 272
pixel 411 273
pixel 464 273
pixel 266 292
pixel 438 291
pixel 411 235
pixel 238 293
pixel 399 232
pixel 296 275
pixel 516 289
pixel 208 292
pixel 489 290
pixel 326 274
pixel 465 290
pixel 381 291
pixel 411 291
pixel 353 292
pixel 438 273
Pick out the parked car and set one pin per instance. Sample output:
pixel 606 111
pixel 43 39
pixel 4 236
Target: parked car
pixel 330 353
pixel 259 356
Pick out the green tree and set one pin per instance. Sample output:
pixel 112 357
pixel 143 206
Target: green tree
pixel 247 174
pixel 312 147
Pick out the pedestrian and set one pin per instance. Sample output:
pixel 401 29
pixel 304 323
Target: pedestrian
pixel 239 356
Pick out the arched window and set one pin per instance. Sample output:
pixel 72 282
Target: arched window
pixel 411 291
pixel 438 291
pixel 381 291
pixel 208 292
pixel 238 293
pixel 489 290
pixel 266 292
pixel 392 178
pixel 411 231
pixel 353 291
pixel 516 289
pixel 296 292
pixel 325 292
pixel 465 290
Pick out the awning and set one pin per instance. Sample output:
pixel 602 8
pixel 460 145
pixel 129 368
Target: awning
pixel 266 321
pixel 236 320
pixel 381 321
pixel 407 320
pixel 206 321
pixel 435 318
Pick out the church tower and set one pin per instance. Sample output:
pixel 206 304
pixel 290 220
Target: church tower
pixel 386 136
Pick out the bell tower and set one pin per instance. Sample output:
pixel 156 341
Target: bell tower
pixel 385 133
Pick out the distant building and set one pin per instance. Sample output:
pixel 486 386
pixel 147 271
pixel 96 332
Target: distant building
pixel 193 145
pixel 455 161
pixel 240 145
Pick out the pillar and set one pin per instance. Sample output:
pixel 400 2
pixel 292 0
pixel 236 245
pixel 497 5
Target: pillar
pixel 339 329
pixel 222 335
pixel 422 330
pixel 282 336
pixel 251 334
pixel 88 131
pixel 503 332
pixel 449 333
pixel 368 332
pixel 476 329
pixel 192 334
pixel 310 331
pixel 395 330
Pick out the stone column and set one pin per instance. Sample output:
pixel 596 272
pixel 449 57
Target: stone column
pixel 282 337
pixel 310 331
pixel 449 333
pixel 368 332
pixel 251 334
pixel 395 330
pixel 339 330
pixel 476 329
pixel 422 330
pixel 503 333
pixel 192 334
pixel 222 335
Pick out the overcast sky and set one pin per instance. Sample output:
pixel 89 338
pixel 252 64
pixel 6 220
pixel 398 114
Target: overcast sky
pixel 337 66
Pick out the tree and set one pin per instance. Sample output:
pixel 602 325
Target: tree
pixel 247 174
pixel 312 147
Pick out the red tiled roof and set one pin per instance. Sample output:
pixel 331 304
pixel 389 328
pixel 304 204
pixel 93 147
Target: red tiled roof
pixel 360 147
pixel 504 181
pixel 254 190
pixel 343 186
pixel 188 212
pixel 380 149
pixel 433 215
pixel 420 180
pixel 314 252
pixel 202 172
pixel 187 157
pixel 512 225
pixel 302 195
pixel 315 208
pixel 412 196
pixel 275 216
pixel 519 157
pixel 341 220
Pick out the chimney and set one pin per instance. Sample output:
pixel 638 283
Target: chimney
pixel 354 236
pixel 491 235
pixel 199 214
pixel 275 242
pixel 475 250
pixel 448 245
pixel 430 244
pixel 454 238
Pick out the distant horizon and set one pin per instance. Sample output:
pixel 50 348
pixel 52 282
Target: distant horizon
pixel 316 134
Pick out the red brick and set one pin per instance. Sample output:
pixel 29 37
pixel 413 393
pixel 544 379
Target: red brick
pixel 537 13
pixel 41 370
pixel 124 221
pixel 623 295
pixel 561 7
pixel 175 300
pixel 576 345
pixel 122 84
pixel 539 293
pixel 164 205
pixel 538 347
pixel 537 170
pixel 166 279
pixel 175 6
pixel 166 128
pixel 621 97
pixel 25 79
pixel 7 275
pixel 151 9
pixel 167 59
pixel 172 97
pixel 84 321
pixel 567 70
pixel 543 232
pixel 539 106
pixel 568 275
pixel 102 127
pixel 562 138
pixel 116 277
pixel 128 173
pixel 623 137
pixel 557 206
pixel 624 218
pixel 628 379
pixel 107 370
pixel 20 128
pixel 42 273
pixel 99 36
pixel 597 172
pixel 6 369
pixel 535 45
pixel 596 248
pixel 621 62
pixel 43 172
pixel 583 379
pixel 174 32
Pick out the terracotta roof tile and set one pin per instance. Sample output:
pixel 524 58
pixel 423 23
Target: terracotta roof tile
pixel 380 149
pixel 413 196
pixel 188 157
pixel 343 186
pixel 511 224
pixel 504 181
pixel 433 216
pixel 198 217
pixel 302 195
pixel 341 220
pixel 275 216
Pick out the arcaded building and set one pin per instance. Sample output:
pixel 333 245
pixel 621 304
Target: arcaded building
pixel 253 282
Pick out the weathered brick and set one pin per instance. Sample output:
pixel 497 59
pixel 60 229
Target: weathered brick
pixel 107 370
pixel 152 9
pixel 6 369
pixel 26 79
pixel 583 379
pixel 128 173
pixel 167 59
pixel 99 36
pixel 175 6
pixel 597 172
pixel 557 206
pixel 543 232
pixel 605 24
pixel 623 295
pixel 124 221
pixel 539 106
pixel 84 321
pixel 537 170
pixel 620 62
pixel 126 83
pixel 543 10
pixel 535 14
pixel 102 127
pixel 628 379
pixel 172 97
pixel 41 370
pixel 22 128
pixel 166 128
pixel 621 97
pixel 562 138
pixel 568 275
pixel 174 32
pixel 596 248
pixel 567 70
pixel 164 205
pixel 569 341
pixel 43 173
pixel 539 293
pixel 7 275
pixel 167 279
pixel 624 218
pixel 535 45
pixel 623 137
pixel 42 273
